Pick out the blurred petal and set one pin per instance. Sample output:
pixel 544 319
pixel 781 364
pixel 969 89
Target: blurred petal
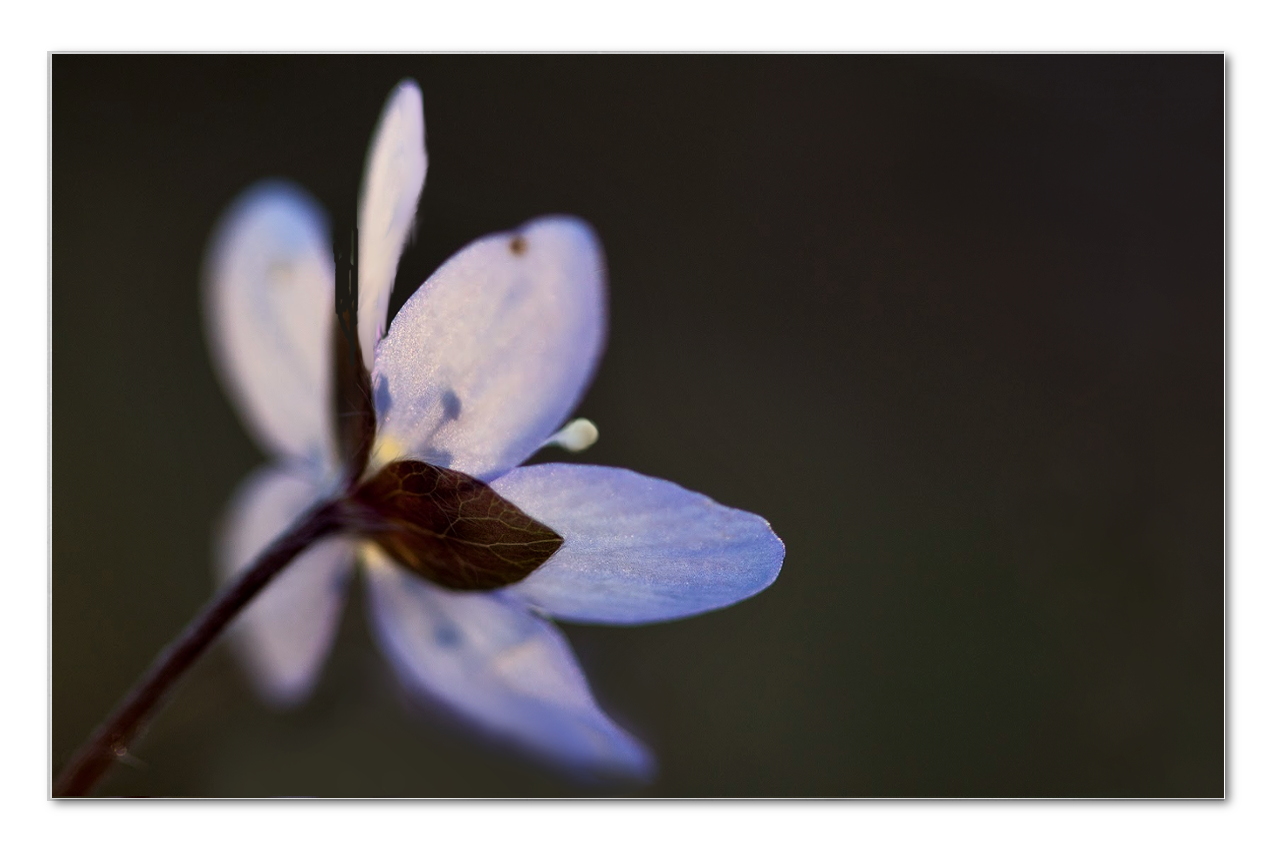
pixel 393 178
pixel 268 288
pixel 487 359
pixel 503 667
pixel 637 549
pixel 284 635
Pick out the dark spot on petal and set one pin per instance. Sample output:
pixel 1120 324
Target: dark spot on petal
pixel 382 395
pixel 439 458
pixel 519 245
pixel 451 405
pixel 448 636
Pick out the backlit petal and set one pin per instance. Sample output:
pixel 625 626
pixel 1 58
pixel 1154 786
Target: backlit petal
pixel 500 666
pixel 393 177
pixel 284 635
pixel 637 549
pixel 488 358
pixel 269 315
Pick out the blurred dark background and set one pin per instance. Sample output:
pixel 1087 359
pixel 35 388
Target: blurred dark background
pixel 953 324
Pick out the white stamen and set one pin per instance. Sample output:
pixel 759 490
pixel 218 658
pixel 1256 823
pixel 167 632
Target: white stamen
pixel 574 436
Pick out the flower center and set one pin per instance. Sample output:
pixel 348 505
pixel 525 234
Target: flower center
pixel 385 450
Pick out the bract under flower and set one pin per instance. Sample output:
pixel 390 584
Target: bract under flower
pixel 478 370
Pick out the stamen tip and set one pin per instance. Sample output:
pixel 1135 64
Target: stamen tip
pixel 575 436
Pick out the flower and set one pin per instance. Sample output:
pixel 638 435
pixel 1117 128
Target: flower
pixel 476 373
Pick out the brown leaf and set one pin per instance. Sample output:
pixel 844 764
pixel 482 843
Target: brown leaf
pixel 450 528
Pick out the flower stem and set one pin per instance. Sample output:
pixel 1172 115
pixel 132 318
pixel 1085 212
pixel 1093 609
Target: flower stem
pixel 111 739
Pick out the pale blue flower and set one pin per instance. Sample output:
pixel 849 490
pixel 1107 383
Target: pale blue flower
pixel 477 372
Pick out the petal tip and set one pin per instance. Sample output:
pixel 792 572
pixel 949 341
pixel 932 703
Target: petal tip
pixel 774 553
pixel 638 549
pixel 274 201
pixel 271 689
pixel 636 763
pixel 408 92
pixel 565 229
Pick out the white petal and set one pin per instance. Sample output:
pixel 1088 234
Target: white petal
pixel 269 314
pixel 393 177
pixel 637 549
pixel 506 669
pixel 487 359
pixel 284 635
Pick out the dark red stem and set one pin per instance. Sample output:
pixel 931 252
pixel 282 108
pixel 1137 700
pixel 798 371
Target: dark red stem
pixel 111 740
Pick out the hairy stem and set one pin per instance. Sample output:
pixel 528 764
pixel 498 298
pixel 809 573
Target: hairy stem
pixel 111 739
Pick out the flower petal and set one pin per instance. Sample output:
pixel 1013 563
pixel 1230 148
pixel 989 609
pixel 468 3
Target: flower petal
pixel 637 549
pixel 284 635
pixel 393 177
pixel 268 298
pixel 487 359
pixel 507 669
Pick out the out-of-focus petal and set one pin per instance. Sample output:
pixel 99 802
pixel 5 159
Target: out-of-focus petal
pixel 637 549
pixel 500 666
pixel 269 315
pixel 284 635
pixel 393 177
pixel 487 359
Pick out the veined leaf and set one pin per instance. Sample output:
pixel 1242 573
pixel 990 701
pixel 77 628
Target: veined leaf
pixel 450 528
